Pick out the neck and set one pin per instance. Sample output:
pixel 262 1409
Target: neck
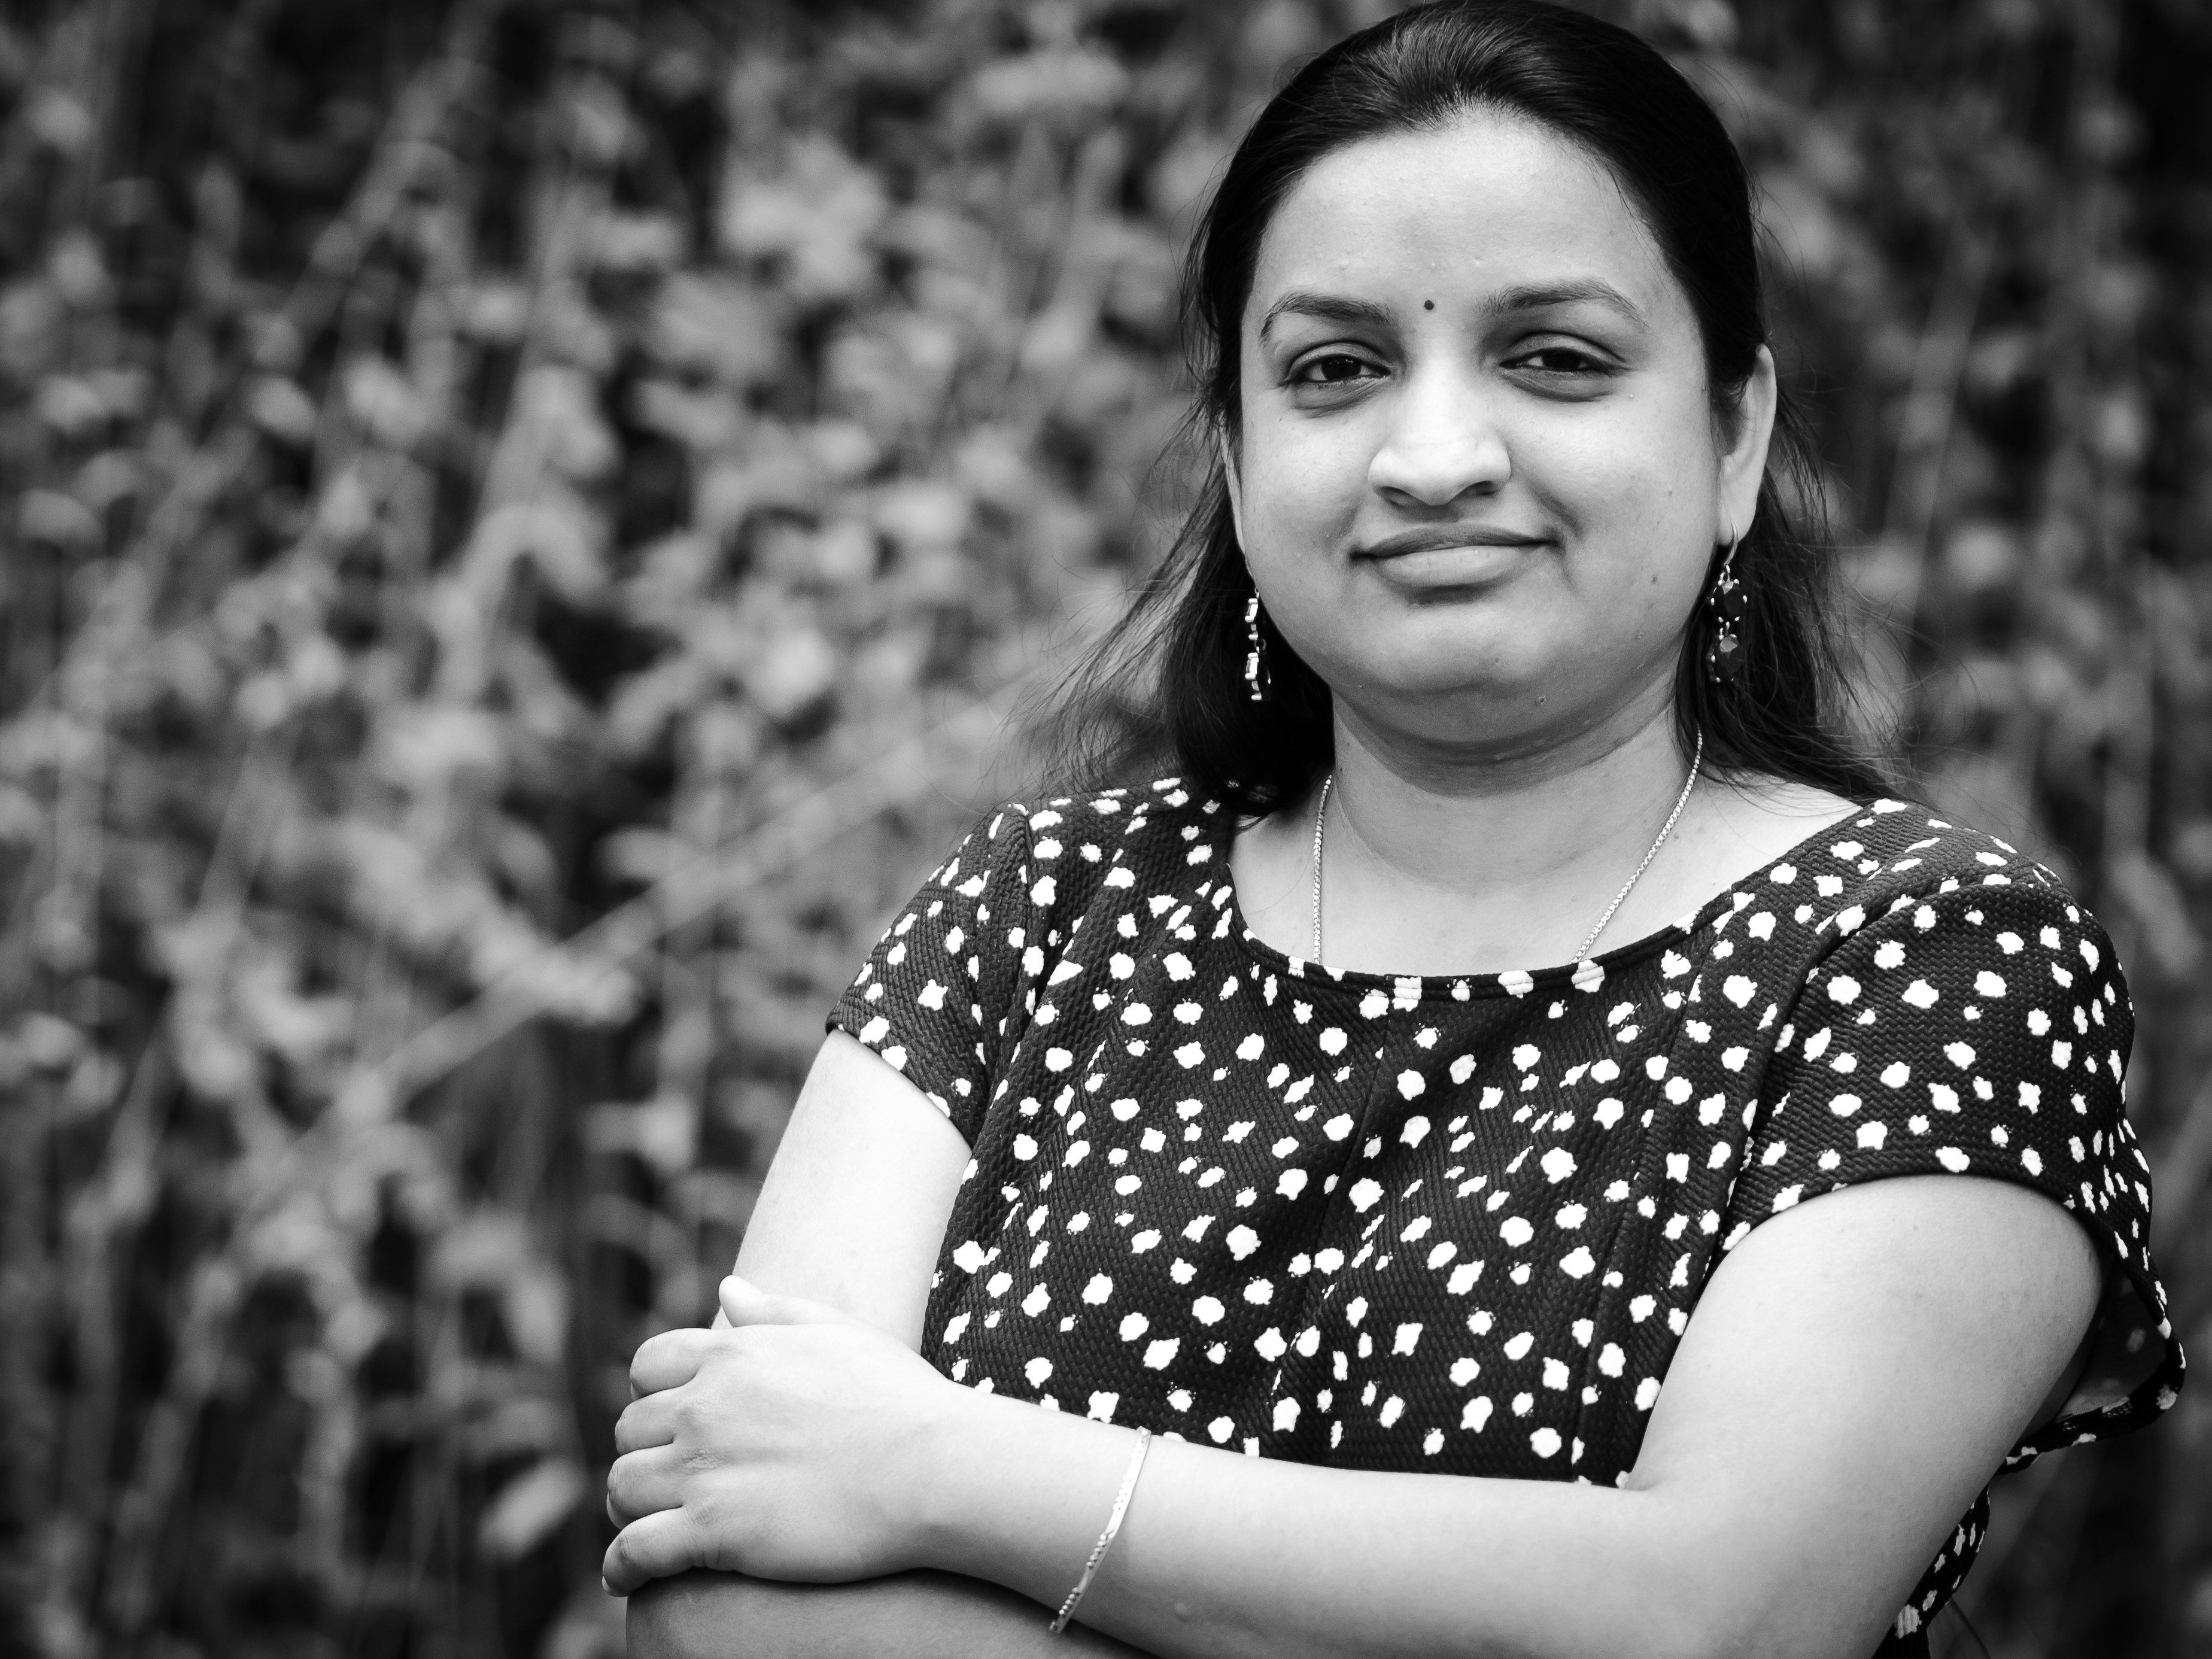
pixel 1415 808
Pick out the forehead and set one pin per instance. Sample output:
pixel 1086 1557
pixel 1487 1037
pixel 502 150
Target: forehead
pixel 1488 202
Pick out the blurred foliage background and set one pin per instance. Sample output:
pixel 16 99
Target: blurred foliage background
pixel 529 524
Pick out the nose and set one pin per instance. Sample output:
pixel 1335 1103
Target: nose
pixel 1443 442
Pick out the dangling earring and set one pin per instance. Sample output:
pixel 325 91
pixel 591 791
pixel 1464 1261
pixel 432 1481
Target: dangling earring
pixel 1730 604
pixel 1256 678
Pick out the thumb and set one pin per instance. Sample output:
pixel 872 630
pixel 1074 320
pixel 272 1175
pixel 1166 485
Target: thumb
pixel 744 1302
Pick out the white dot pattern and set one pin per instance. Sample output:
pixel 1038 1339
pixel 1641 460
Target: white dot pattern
pixel 1458 1225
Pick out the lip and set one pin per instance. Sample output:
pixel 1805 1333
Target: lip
pixel 1438 539
pixel 1439 559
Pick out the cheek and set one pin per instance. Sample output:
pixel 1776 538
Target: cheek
pixel 1637 496
pixel 1303 482
pixel 1642 462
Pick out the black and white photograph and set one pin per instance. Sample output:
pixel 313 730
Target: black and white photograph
pixel 1161 828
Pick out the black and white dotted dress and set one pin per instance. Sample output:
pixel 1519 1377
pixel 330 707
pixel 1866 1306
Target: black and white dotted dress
pixel 1459 1225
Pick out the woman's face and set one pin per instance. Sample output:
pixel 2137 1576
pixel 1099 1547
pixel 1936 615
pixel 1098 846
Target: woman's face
pixel 1478 477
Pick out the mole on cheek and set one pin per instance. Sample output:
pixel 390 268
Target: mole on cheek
pixel 1428 305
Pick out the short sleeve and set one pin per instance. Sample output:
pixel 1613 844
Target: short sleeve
pixel 1983 1030
pixel 936 996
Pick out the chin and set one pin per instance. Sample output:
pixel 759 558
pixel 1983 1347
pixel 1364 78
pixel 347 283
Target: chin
pixel 1489 664
pixel 1508 699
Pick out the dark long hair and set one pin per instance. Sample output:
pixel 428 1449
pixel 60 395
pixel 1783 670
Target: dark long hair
pixel 1165 689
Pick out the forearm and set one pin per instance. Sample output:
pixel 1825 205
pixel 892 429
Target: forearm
pixel 1224 1555
pixel 1854 1374
pixel 911 1616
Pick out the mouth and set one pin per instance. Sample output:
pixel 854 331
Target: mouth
pixel 1448 556
pixel 1443 538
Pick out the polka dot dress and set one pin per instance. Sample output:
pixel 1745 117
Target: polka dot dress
pixel 1459 1225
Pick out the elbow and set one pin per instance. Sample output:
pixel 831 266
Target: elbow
pixel 1683 1587
pixel 1695 1626
pixel 1770 1630
pixel 1717 1611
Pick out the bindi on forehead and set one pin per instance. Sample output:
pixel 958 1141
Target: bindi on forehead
pixel 1428 305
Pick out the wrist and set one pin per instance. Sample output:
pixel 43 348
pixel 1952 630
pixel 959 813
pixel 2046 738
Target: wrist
pixel 1015 1493
pixel 951 1453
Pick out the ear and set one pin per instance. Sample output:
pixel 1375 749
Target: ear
pixel 1226 442
pixel 1743 440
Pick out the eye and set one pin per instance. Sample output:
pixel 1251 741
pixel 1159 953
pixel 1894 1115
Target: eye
pixel 1332 369
pixel 1562 359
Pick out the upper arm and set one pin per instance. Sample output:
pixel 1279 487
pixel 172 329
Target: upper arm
pixel 1854 1373
pixel 854 1206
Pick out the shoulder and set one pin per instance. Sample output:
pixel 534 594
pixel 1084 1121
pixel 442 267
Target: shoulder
pixel 1060 857
pixel 1895 901
pixel 1158 835
pixel 1957 940
pixel 1901 864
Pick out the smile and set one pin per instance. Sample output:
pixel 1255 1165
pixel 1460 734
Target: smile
pixel 1459 557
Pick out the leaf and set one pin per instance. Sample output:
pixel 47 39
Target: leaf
pixel 791 673
pixel 1066 88
pixel 642 855
pixel 558 408
pixel 815 215
pixel 551 531
pixel 486 1247
pixel 69 404
pixel 58 121
pixel 47 515
pixel 45 1041
pixel 529 1507
pixel 111 476
pixel 22 822
pixel 664 1131
pixel 493 310
pixel 633 242
pixel 1980 555
pixel 94 1083
pixel 425 749
pixel 78 271
pixel 718 325
pixel 379 397
pixel 30 327
pixel 536 1305
pixel 520 1423
pixel 922 516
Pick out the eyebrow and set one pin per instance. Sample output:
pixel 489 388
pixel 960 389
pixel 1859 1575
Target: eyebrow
pixel 1586 291
pixel 1331 307
pixel 1339 308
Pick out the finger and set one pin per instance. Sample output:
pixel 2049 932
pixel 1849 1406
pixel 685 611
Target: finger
pixel 744 1302
pixel 656 1546
pixel 669 1360
pixel 643 1483
pixel 646 1422
pixel 720 1321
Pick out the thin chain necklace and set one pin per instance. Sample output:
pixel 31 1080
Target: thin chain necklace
pixel 1696 759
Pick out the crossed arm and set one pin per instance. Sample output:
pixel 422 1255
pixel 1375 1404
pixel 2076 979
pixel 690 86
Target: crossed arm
pixel 1853 1374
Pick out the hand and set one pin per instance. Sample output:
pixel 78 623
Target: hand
pixel 786 1446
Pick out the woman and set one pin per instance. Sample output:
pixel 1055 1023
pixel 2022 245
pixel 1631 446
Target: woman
pixel 1233 1109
